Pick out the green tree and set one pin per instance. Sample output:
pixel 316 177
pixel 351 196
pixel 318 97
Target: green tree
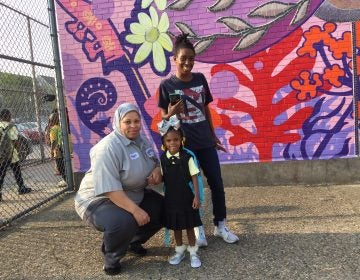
pixel 16 94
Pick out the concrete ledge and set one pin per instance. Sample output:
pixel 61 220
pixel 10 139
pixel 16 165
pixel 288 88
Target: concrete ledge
pixel 304 172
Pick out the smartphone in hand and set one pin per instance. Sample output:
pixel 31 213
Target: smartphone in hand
pixel 174 98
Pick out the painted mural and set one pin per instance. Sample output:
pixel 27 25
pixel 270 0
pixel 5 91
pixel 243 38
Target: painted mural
pixel 281 72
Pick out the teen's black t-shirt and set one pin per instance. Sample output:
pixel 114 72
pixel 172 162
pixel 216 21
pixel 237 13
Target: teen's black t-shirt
pixel 195 95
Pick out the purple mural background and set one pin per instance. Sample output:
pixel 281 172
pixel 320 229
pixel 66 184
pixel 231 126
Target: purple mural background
pixel 280 71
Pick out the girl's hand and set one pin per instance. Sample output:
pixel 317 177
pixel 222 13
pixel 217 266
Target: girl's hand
pixel 196 203
pixel 155 177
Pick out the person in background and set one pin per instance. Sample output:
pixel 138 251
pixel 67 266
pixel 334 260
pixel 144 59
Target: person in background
pixel 55 116
pixel 114 195
pixel 56 149
pixel 47 134
pixel 193 108
pixel 13 162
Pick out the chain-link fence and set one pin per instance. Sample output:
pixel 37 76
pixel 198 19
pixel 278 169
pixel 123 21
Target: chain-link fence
pixel 31 166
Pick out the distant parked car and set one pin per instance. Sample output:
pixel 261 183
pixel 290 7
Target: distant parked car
pixel 31 131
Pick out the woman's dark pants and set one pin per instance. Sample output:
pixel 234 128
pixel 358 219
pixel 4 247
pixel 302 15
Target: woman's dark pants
pixel 120 228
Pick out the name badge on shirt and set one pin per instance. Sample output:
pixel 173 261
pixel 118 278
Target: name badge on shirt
pixel 134 156
pixel 150 152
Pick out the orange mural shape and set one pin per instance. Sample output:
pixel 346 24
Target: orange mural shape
pixel 308 85
pixel 332 74
pixel 316 35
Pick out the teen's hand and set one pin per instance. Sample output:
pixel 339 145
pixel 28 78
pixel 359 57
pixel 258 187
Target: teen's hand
pixel 196 203
pixel 219 146
pixel 177 108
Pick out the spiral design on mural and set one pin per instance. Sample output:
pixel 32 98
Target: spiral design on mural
pixel 93 99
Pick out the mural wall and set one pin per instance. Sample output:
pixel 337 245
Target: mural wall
pixel 281 72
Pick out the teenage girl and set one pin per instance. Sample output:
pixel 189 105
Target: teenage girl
pixel 194 102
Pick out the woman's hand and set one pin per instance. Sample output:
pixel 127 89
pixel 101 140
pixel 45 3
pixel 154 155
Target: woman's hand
pixel 155 177
pixel 123 201
pixel 141 217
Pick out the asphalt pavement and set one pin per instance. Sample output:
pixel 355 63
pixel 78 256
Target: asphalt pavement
pixel 286 232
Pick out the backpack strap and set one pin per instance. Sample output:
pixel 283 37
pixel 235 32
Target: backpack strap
pixel 8 127
pixel 199 177
pixel 6 130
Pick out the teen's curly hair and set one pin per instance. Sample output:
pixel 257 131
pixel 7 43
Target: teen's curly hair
pixel 182 42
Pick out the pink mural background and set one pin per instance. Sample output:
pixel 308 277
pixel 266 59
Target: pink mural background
pixel 281 72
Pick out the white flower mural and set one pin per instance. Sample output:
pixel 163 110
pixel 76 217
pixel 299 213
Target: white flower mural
pixel 161 4
pixel 151 34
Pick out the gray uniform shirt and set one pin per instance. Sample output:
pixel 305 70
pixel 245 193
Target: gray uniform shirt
pixel 117 163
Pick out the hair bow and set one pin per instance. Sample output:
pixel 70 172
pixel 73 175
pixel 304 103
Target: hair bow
pixel 164 125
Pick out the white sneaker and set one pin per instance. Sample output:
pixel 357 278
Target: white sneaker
pixel 195 261
pixel 179 255
pixel 61 184
pixel 201 242
pixel 194 258
pixel 225 234
pixel 200 237
pixel 177 258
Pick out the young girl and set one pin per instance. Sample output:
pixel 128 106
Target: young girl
pixel 195 97
pixel 182 198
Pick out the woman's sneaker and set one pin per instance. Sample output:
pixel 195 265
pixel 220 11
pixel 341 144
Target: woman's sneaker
pixel 179 255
